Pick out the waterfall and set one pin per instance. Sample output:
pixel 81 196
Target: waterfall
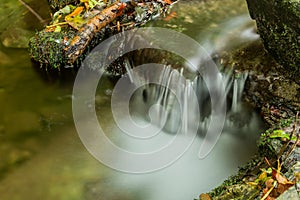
pixel 234 144
pixel 175 113
pixel 238 87
pixel 178 101
pixel 180 112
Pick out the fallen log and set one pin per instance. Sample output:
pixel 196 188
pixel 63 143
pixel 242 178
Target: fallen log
pixel 76 29
pixel 87 32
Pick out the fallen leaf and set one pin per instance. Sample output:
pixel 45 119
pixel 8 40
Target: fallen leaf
pixel 205 197
pixel 170 16
pixel 76 12
pixel 281 179
pixel 168 1
pixel 74 19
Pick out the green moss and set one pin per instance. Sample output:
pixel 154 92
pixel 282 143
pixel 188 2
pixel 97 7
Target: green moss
pixel 285 123
pixel 293 6
pixel 239 192
pixel 223 191
pixel 235 187
pixel 58 4
pixel 48 47
pixel 278 26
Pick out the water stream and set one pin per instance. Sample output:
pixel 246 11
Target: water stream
pixel 42 157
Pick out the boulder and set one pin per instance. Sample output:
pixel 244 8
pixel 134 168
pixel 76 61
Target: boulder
pixel 278 25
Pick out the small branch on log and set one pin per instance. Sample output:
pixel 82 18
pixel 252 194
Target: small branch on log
pixel 88 31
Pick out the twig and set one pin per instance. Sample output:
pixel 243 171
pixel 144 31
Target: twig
pixel 282 150
pixel 57 24
pixel 269 191
pixel 297 140
pixel 33 12
pixel 267 161
pixel 125 24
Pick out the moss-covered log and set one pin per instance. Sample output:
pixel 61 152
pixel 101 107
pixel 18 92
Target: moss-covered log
pixel 279 27
pixel 76 29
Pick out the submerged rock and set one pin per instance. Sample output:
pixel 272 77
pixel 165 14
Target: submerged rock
pixel 4 58
pixel 278 26
pixel 100 189
pixel 15 37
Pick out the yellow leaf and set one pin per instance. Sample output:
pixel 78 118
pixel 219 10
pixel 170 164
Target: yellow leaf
pixel 77 22
pixel 74 19
pixel 76 12
pixel 263 175
pixel 253 184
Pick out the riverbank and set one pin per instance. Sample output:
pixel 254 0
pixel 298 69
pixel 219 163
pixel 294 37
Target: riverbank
pixel 276 96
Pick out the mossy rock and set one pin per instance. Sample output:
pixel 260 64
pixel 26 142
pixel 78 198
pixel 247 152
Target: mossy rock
pixel 276 97
pixel 278 25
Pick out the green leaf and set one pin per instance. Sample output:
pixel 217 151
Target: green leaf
pixel 64 11
pixel 281 134
pixel 57 29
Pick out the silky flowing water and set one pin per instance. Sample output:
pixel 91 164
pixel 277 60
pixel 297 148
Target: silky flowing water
pixel 42 157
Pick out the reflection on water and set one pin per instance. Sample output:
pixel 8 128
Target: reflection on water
pixel 41 156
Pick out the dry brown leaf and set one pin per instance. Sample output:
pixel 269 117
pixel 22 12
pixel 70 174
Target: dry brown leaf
pixel 280 178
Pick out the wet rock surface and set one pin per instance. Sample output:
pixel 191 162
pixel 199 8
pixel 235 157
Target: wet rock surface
pixel 278 26
pixel 274 93
pixel 100 190
pixel 269 87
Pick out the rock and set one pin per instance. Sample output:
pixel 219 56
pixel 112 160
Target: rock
pixel 289 194
pixel 268 87
pixel 12 156
pixel 278 26
pixel 15 37
pixel 4 59
pixel 276 96
pixel 101 190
